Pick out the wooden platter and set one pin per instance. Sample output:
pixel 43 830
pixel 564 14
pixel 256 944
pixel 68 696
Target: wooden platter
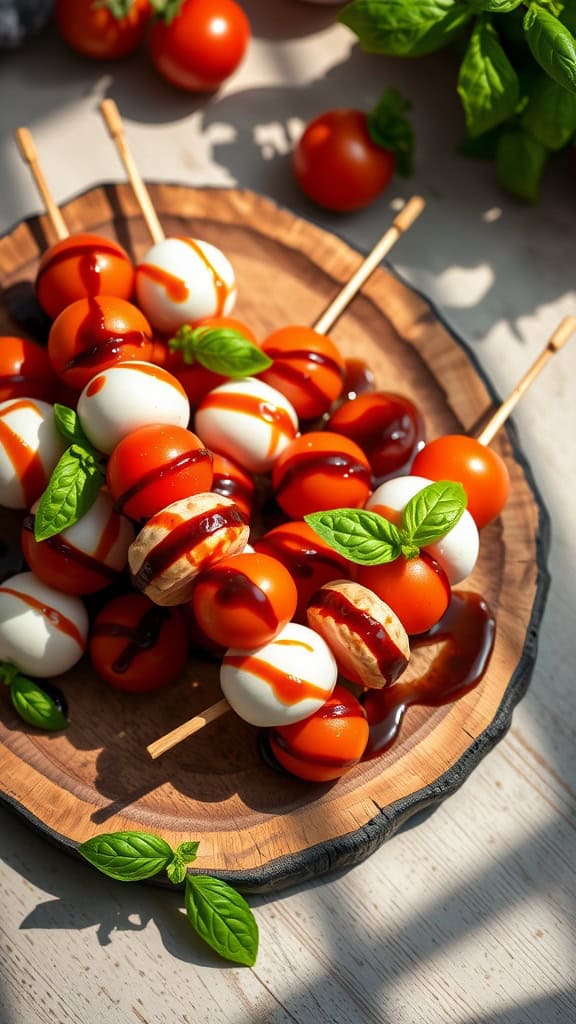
pixel 258 828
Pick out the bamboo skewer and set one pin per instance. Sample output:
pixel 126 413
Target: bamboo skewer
pixel 30 156
pixel 557 340
pixel 114 124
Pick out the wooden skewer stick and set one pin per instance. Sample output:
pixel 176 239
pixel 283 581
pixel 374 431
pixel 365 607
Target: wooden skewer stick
pixel 114 124
pixel 30 156
pixel 558 339
pixel 404 220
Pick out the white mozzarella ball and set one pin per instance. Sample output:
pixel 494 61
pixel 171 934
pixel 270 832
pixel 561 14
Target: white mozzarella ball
pixel 42 631
pixel 457 551
pixel 101 533
pixel 283 681
pixel 184 279
pixel 127 396
pixel 30 447
pixel 248 421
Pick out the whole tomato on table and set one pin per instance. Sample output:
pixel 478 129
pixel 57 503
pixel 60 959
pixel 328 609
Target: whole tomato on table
pixel 103 29
pixel 197 44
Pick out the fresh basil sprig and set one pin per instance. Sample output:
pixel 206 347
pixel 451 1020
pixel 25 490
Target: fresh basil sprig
pixel 31 702
pixel 367 538
pixel 389 127
pixel 405 28
pixel 75 482
pixel 487 83
pixel 552 45
pixel 220 349
pixel 219 914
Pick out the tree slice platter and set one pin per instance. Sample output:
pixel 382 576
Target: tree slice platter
pixel 258 828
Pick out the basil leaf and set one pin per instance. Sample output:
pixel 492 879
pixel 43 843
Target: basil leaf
pixel 405 28
pixel 520 161
pixel 35 706
pixel 552 45
pixel 388 127
pixel 68 425
pixel 185 854
pixel 363 537
pixel 228 352
pixel 487 83
pixel 127 856
pixel 482 147
pixel 435 510
pixel 568 16
pixel 73 488
pixel 550 116
pixel 222 917
pixel 495 6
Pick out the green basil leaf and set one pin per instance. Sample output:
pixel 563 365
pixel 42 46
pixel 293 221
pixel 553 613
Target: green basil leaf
pixel 435 510
pixel 228 352
pixel 481 147
pixel 388 127
pixel 72 490
pixel 520 162
pixel 552 45
pixel 363 537
pixel 405 28
pixel 495 6
pixel 127 856
pixel 550 116
pixel 222 917
pixel 568 16
pixel 185 854
pixel 68 425
pixel 487 83
pixel 187 851
pixel 35 706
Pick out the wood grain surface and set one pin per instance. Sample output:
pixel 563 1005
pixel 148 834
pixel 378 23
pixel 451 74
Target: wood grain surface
pixel 257 827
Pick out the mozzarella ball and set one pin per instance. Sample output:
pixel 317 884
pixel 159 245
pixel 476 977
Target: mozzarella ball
pixel 248 421
pixel 284 681
pixel 30 447
pixel 42 631
pixel 184 279
pixel 126 397
pixel 457 551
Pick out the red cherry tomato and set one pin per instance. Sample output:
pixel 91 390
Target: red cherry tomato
pixel 202 45
pixel 387 427
pixel 25 370
pixel 93 30
pixel 337 164
pixel 482 473
pixel 244 601
pixel 80 267
pixel 156 465
pixel 308 369
pixel 309 560
pixel 136 645
pixel 196 380
pixel 325 745
pixel 235 483
pixel 93 334
pixel 319 471
pixel 417 589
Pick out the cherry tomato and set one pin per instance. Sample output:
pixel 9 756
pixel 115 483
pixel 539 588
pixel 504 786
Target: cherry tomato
pixel 308 369
pixel 309 560
pixel 93 334
pixel 325 745
pixel 387 427
pixel 233 482
pixel 156 465
pixel 417 589
pixel 482 473
pixel 95 30
pixel 337 164
pixel 244 601
pixel 25 370
pixel 196 380
pixel 82 266
pixel 202 45
pixel 136 645
pixel 319 471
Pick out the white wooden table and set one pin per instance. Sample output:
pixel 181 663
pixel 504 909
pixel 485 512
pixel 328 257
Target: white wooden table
pixel 467 917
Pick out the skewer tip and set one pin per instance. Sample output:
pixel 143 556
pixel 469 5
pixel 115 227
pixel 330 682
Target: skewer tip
pixel 563 333
pixel 112 118
pixel 26 145
pixel 409 213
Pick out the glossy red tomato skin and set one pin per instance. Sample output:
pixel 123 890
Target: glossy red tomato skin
pixel 336 163
pixel 244 601
pixel 416 589
pixel 318 471
pixel 196 380
pixel 307 368
pixel 159 637
pixel 80 266
pixel 154 466
pixel 93 334
pixel 387 427
pixel 480 470
pixel 93 31
pixel 202 46
pixel 25 370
